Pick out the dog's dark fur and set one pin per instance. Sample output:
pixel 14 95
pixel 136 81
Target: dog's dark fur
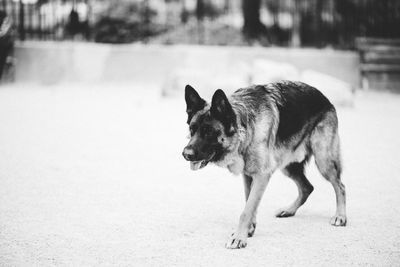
pixel 263 128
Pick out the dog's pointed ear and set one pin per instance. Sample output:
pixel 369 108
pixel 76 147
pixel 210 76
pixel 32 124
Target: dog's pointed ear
pixel 194 102
pixel 222 110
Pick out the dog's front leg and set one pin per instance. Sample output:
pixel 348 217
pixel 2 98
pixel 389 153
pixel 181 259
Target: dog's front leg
pixel 239 238
pixel 248 180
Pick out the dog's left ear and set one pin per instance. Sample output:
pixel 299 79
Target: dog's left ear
pixel 222 110
pixel 194 102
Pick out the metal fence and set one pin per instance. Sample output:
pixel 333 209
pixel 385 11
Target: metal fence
pixel 339 22
pixel 322 22
pixel 48 20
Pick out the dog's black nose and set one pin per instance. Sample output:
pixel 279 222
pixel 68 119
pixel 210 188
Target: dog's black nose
pixel 189 153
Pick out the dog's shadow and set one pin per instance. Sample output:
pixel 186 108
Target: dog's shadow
pixel 301 220
pixel 314 217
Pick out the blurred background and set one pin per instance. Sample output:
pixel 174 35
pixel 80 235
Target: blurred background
pixel 355 41
pixel 305 23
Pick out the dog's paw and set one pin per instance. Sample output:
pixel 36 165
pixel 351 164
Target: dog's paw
pixel 252 229
pixel 282 213
pixel 339 220
pixel 236 242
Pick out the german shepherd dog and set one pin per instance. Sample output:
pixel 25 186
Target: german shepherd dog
pixel 260 129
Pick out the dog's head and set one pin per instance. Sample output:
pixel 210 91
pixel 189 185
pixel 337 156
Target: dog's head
pixel 212 128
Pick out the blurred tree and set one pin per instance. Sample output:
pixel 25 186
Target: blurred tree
pixel 253 28
pixel 6 45
pixel 227 5
pixel 200 17
pixel 184 13
pixel 200 10
pixel 147 16
pixel 126 22
pixel 295 36
pixel 21 22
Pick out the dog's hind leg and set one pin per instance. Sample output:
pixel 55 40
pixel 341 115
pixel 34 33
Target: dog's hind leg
pixel 325 145
pixel 295 171
pixel 248 180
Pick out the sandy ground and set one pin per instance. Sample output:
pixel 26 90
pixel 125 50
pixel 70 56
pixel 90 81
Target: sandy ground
pixel 95 177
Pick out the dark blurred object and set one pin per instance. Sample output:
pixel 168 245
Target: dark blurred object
pixel 215 33
pixel 380 63
pixel 128 22
pixel 319 23
pixel 74 26
pixel 253 28
pixel 206 9
pixel 118 31
pixel 338 22
pixel 368 18
pixel 200 9
pixel 298 23
pixel 49 19
pixel 6 47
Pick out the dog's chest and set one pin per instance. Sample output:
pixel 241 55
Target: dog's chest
pixel 236 167
pixel 234 163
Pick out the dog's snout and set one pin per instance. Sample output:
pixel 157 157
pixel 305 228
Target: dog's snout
pixel 188 153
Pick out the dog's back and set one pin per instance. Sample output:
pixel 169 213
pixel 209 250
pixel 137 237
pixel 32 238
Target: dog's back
pixel 297 106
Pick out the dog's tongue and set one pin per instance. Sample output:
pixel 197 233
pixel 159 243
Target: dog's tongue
pixel 195 165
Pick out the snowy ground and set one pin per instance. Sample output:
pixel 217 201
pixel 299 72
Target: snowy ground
pixel 95 176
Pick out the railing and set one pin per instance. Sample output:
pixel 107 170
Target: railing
pixel 323 23
pixel 48 20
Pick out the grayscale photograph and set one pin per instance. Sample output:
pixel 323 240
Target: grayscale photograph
pixel 199 133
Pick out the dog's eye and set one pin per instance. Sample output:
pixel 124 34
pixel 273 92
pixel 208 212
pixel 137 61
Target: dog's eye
pixel 193 129
pixel 207 131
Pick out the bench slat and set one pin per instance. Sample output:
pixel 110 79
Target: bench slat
pixel 380 49
pixel 380 67
pixel 387 58
pixel 368 41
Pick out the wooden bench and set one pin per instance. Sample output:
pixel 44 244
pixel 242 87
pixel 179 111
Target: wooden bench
pixel 379 63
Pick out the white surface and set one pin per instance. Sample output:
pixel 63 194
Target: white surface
pixel 59 62
pixel 230 77
pixel 92 176
pixel 267 71
pixel 207 80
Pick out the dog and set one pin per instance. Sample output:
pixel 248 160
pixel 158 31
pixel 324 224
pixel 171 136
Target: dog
pixel 263 128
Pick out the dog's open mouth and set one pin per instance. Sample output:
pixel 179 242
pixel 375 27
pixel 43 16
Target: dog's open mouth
pixel 196 165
